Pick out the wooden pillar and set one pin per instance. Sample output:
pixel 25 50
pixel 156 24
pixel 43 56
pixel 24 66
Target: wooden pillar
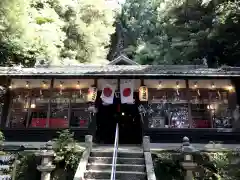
pixel 118 85
pixel 144 118
pixel 69 112
pixel 49 103
pixel 6 103
pixel 93 116
pixel 190 120
pixel 236 85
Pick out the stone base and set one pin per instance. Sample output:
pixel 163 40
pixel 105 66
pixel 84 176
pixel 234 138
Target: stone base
pixel 48 168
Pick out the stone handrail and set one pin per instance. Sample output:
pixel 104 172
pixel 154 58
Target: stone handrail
pixel 148 158
pixel 115 152
pixel 79 175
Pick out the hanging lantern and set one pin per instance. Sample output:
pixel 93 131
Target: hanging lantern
pixel 40 92
pixel 219 94
pixel 198 92
pixel 61 85
pixel 177 88
pixel 79 88
pixel 10 86
pixel 177 85
pixel 44 84
pixel 26 103
pixel 61 88
pixel 213 86
pixel 230 87
pixel 33 104
pixel 78 85
pixel 195 84
pixel 27 84
pixel 92 94
pixel 143 93
pixel 159 85
pixel 196 88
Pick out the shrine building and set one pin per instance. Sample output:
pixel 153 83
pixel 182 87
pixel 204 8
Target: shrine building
pixel 162 101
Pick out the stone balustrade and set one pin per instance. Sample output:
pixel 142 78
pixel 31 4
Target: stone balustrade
pixel 6 166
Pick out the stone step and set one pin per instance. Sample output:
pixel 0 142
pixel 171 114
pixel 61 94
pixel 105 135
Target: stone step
pixel 120 154
pixel 108 160
pixel 119 167
pixel 121 175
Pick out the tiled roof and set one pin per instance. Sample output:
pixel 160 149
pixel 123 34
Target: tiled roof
pixel 124 59
pixel 120 70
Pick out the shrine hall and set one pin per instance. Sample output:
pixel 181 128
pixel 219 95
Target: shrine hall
pixel 165 102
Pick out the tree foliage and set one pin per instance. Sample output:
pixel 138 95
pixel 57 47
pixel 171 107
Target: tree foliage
pixel 58 31
pixel 182 31
pixel 156 31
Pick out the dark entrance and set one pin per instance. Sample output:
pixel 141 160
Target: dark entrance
pixel 126 115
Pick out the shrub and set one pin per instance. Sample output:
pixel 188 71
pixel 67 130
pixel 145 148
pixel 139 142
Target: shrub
pixel 67 155
pixel 66 150
pixel 211 165
pixel 66 160
pixel 27 169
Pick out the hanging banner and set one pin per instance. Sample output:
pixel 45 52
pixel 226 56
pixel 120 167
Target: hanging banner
pixel 107 95
pixel 143 93
pixel 92 94
pixel 126 91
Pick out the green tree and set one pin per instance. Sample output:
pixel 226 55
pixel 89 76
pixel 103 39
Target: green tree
pixel 89 27
pixel 58 31
pixel 182 31
pixel 223 45
pixel 29 29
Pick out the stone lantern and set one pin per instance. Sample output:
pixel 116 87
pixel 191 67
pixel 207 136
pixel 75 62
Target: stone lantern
pixel 188 164
pixel 46 166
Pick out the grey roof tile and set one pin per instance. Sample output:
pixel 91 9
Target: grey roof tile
pixel 121 70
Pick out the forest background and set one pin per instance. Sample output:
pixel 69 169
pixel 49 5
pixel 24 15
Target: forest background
pixel 64 32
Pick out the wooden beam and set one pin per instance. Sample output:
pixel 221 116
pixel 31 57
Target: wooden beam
pixel 49 103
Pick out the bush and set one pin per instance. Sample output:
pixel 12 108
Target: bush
pixel 27 169
pixel 214 165
pixel 2 138
pixel 66 160
pixel 66 150
pixel 67 156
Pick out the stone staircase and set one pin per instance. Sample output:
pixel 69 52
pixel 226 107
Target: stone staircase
pixel 130 164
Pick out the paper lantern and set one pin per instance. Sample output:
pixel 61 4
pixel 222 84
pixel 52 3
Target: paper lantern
pixel 143 93
pixel 92 94
pixel 230 87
